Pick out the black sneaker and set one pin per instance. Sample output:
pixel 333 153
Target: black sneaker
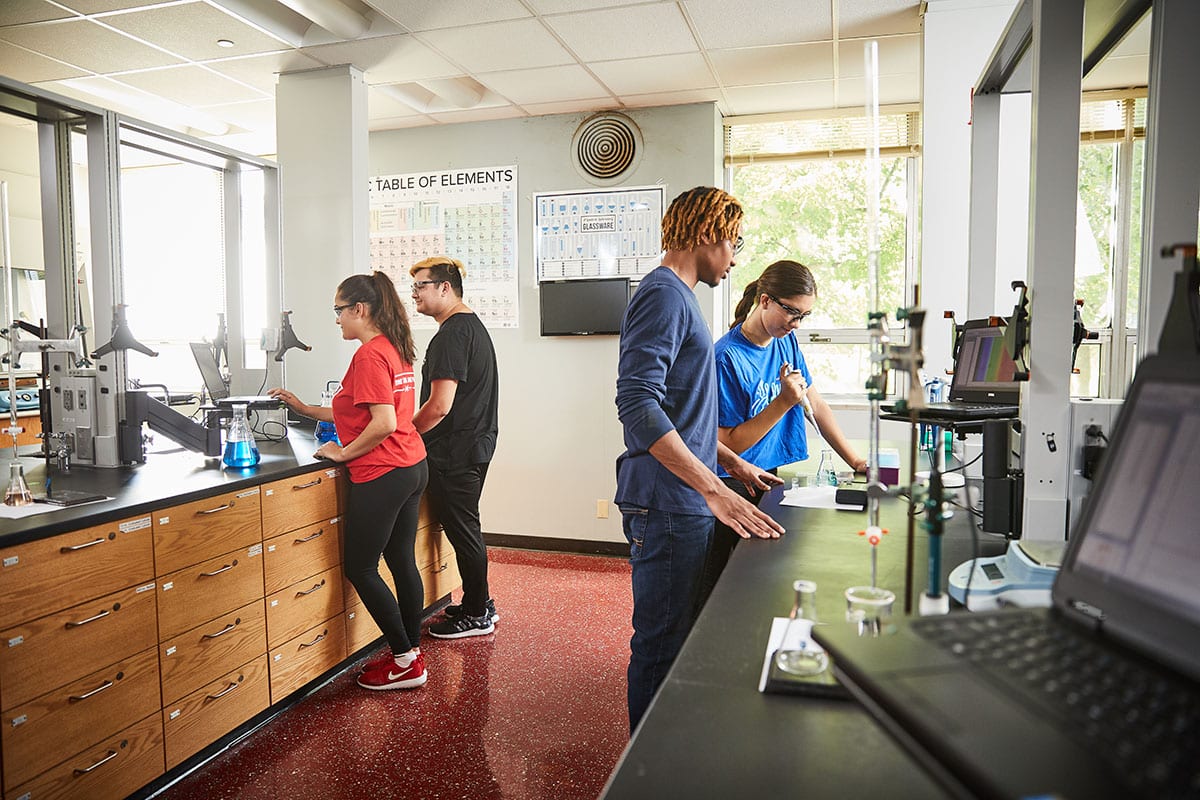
pixel 456 610
pixel 461 626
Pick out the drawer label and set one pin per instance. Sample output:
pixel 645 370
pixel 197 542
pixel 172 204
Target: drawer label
pixel 12 561
pixel 148 587
pixel 135 525
pixel 16 640
pixel 174 714
pixel 255 550
pixel 331 473
pixel 164 520
pixel 269 492
pixel 21 720
pixel 277 656
pixel 274 603
pixel 248 493
pixel 168 586
pixel 170 651
pixel 271 548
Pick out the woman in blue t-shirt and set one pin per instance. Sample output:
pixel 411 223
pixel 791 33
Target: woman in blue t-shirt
pixel 762 382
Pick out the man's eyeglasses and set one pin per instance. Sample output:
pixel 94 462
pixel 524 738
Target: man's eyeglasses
pixel 416 285
pixel 738 244
pixel 794 314
pixel 337 310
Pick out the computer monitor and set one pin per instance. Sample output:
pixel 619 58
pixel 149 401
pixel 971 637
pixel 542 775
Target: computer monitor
pixel 984 371
pixel 583 307
pixel 217 388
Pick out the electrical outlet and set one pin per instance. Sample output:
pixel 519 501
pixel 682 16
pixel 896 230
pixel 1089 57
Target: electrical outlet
pixel 268 339
pixel 601 509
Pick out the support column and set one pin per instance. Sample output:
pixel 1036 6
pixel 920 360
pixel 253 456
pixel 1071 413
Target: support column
pixel 985 187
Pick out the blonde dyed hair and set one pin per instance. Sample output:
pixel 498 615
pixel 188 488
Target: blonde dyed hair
pixel 443 268
pixel 699 214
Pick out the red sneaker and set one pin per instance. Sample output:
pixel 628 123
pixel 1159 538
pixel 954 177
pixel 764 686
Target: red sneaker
pixel 393 676
pixel 383 658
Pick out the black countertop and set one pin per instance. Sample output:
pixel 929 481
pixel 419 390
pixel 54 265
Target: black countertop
pixel 167 478
pixel 710 733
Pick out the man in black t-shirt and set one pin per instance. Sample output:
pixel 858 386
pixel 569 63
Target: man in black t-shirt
pixel 458 421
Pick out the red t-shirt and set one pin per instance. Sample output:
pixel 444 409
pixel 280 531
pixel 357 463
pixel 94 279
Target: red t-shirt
pixel 377 374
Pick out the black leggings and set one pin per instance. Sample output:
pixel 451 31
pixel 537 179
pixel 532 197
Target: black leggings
pixel 381 519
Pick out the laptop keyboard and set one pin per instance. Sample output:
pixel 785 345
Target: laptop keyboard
pixel 1145 722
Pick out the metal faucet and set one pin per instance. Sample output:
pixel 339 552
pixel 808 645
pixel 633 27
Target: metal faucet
pixel 61 452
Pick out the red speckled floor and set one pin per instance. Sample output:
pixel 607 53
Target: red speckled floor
pixel 535 710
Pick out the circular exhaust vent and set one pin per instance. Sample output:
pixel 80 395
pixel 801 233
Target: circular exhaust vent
pixel 606 147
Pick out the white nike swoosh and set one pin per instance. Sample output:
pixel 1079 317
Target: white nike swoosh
pixel 392 677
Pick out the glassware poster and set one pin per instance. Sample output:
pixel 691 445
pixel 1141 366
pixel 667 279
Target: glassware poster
pixel 467 214
pixel 598 233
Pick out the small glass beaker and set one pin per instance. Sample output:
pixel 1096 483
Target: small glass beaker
pixel 798 654
pixel 17 493
pixel 826 474
pixel 241 451
pixel 869 608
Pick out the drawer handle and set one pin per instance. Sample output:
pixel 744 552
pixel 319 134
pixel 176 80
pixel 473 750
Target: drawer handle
pixel 442 568
pixel 309 538
pixel 73 548
pixel 309 485
pixel 223 631
pixel 310 591
pixel 111 755
pixel 225 568
pixel 75 698
pixel 317 640
pixel 225 507
pixel 232 685
pixel 101 615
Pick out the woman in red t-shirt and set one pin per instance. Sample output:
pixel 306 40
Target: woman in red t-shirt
pixel 385 457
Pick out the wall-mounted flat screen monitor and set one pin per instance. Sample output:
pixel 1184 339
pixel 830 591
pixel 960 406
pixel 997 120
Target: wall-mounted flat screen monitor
pixel 583 307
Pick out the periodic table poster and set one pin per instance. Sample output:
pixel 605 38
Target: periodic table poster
pixel 598 233
pixel 467 214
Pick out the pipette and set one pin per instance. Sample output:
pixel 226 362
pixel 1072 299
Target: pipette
pixel 808 412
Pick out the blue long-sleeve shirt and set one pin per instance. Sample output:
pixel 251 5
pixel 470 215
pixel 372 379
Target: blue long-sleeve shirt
pixel 666 380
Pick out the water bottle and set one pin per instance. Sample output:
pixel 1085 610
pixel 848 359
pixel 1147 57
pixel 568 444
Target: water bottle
pixel 240 449
pixel 826 474
pixel 327 431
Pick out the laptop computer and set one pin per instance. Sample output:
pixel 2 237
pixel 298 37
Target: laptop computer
pixel 214 382
pixel 1099 695
pixel 983 385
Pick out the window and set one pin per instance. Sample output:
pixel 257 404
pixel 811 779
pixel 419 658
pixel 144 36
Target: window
pixel 802 183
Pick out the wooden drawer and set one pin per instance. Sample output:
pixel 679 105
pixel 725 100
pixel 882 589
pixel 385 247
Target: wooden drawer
pixel 361 629
pixel 195 532
pixel 46 653
pixel 440 578
pixel 431 545
pixel 212 711
pixel 291 557
pixel 303 605
pixel 56 726
pixel 295 502
pixel 40 577
pixel 298 661
pixel 111 770
pixel 193 596
pixel 203 654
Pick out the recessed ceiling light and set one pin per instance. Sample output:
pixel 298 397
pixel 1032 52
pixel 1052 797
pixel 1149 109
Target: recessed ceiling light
pixel 224 42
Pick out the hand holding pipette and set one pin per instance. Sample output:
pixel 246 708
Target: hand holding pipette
pixel 794 380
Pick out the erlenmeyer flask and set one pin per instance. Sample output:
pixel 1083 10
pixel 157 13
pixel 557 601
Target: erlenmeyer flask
pixel 240 449
pixel 798 654
pixel 18 493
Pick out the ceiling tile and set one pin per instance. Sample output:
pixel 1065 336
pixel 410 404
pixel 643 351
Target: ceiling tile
pixel 192 30
pixel 190 85
pixel 397 123
pixel 262 71
pixel 1117 73
pixel 675 99
pixel 101 6
pixel 19 12
pixel 477 115
pixel 422 15
pixel 255 115
pixel 893 89
pixel 568 6
pixel 85 44
pixel 656 74
pixel 751 23
pixel 780 64
pixel 769 99
pixel 571 106
pixel 878 17
pixel 1136 42
pixel 516 44
pixel 380 105
pixel 629 32
pixel 22 65
pixel 897 55
pixel 546 85
pixel 390 59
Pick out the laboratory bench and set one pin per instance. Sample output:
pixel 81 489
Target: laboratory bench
pixel 709 732
pixel 145 633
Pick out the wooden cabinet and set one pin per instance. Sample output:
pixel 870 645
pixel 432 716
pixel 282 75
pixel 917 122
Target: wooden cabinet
pixel 302 605
pixel 195 532
pixel 298 661
pixel 198 719
pixel 293 556
pixel 192 659
pixel 194 595
pixel 293 503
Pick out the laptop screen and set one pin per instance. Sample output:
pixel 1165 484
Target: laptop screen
pixel 1140 536
pixel 209 372
pixel 984 369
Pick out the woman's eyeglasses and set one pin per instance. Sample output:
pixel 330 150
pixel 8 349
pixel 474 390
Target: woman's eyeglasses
pixel 337 310
pixel 794 314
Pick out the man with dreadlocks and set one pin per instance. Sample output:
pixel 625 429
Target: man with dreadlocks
pixel 667 487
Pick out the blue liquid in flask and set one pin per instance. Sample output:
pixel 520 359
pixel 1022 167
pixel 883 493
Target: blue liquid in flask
pixel 240 454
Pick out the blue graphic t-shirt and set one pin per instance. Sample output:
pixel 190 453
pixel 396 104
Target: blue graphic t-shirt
pixel 747 381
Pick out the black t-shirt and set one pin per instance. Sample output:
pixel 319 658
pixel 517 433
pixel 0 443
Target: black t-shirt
pixel 462 350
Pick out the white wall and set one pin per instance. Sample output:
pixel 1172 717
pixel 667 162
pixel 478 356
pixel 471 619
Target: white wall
pixel 559 435
pixel 959 37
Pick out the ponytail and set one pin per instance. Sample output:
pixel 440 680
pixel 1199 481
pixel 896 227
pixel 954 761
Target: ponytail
pixel 749 298
pixel 378 292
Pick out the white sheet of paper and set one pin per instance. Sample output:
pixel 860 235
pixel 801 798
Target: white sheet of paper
pixel 815 497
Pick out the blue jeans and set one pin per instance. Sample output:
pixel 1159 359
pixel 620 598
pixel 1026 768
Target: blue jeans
pixel 667 552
